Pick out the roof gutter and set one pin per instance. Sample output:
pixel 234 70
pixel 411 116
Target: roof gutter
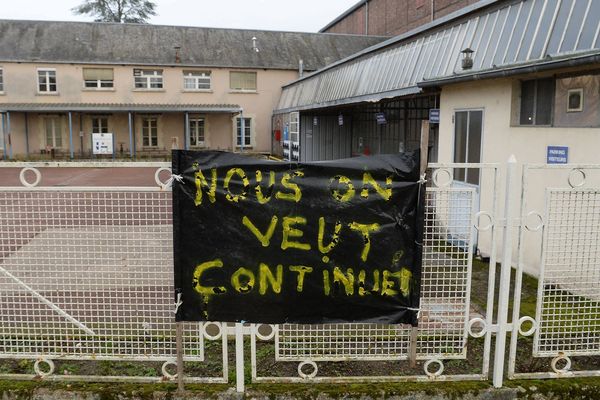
pixel 516 70
pixel 368 98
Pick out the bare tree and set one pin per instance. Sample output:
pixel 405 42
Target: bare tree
pixel 137 11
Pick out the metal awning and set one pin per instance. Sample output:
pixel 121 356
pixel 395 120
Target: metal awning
pixel 504 35
pixel 120 107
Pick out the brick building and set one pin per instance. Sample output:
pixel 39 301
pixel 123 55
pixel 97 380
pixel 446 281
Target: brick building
pixel 392 17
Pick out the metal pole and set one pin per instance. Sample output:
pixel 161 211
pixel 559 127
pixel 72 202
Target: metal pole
pixel 131 149
pixel 10 150
pixel 81 135
pixel 27 134
pixel 4 140
pixel 243 130
pixel 505 276
pixel 179 344
pixel 186 139
pixel 71 135
pixel 239 357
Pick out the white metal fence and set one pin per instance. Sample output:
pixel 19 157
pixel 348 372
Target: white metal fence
pixel 86 277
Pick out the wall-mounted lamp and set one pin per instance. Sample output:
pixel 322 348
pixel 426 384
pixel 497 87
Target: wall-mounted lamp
pixel 467 60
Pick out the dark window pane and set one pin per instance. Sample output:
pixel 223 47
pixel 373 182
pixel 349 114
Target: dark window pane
pixel 527 102
pixel 559 27
pixel 474 149
pixel 508 28
pixel 544 100
pixel 530 31
pixel 518 31
pixel 574 26
pixel 589 27
pixel 542 34
pixel 460 142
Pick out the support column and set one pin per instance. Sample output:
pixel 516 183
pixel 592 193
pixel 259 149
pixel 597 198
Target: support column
pixel 10 149
pixel 131 144
pixel 186 130
pixel 4 139
pixel 243 132
pixel 71 154
pixel 26 134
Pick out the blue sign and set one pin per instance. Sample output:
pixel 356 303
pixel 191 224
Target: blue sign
pixel 557 155
pixel 380 117
pixel 434 115
pixel 285 132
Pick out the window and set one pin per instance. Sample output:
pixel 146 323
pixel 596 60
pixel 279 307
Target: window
pixel 575 100
pixel 243 81
pixel 100 125
pixel 1 80
pixel 150 132
pixel 148 78
pixel 46 80
pixel 537 96
pixel 53 132
pixel 467 144
pixel 98 78
pixel 196 130
pixel 196 80
pixel 247 132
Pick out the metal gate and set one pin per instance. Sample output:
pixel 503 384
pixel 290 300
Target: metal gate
pixel 86 287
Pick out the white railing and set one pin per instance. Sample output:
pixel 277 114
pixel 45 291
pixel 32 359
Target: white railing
pixel 86 276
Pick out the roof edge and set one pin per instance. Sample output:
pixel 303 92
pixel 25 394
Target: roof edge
pixel 417 31
pixel 343 15
pixel 562 62
pixel 374 97
pixel 185 27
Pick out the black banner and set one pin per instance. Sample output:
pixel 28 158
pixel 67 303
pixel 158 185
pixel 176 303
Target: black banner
pixel 272 242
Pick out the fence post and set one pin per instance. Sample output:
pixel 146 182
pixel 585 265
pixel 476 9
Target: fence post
pixel 505 275
pixel 239 357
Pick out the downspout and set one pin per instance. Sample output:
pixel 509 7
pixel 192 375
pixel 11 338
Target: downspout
pixel 366 17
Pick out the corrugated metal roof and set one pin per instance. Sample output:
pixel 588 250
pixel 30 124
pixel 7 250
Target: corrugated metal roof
pixel 119 107
pixel 503 36
pixel 145 44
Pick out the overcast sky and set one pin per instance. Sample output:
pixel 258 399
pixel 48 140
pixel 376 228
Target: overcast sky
pixel 289 15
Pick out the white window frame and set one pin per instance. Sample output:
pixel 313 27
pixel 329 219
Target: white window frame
pixel 146 77
pixel 56 132
pixel 99 84
pixel 46 74
pixel 244 90
pixel 103 127
pixel 580 92
pixel 147 132
pixel 248 128
pixel 194 131
pixel 196 79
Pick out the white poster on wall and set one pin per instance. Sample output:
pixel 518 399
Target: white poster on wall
pixel 102 143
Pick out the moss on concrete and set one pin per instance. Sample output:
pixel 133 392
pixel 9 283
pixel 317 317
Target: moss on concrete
pixel 581 388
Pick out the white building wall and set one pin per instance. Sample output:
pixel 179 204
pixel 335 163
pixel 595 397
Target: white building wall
pixel 528 144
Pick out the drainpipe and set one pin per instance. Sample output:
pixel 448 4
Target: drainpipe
pixel 367 17
pixel 300 68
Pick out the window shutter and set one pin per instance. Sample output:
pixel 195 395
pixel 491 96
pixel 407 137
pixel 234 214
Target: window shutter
pixel 102 74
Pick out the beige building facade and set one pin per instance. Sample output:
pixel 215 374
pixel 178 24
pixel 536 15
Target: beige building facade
pixel 147 89
pixel 156 117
